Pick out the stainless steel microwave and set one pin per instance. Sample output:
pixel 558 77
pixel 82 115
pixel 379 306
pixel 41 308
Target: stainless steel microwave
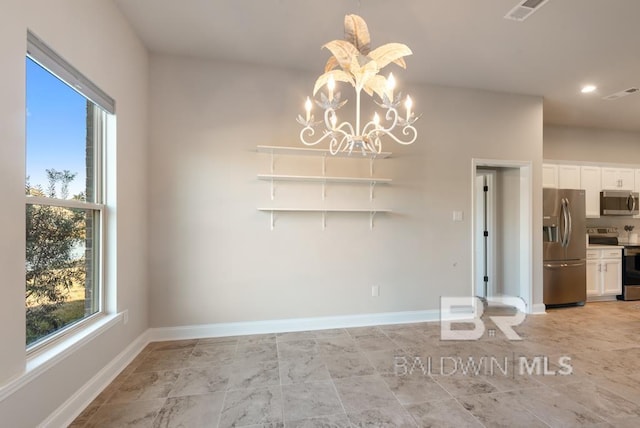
pixel 618 202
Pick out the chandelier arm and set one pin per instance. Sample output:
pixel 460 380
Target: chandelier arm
pixel 407 130
pixel 340 129
pixel 310 132
pixel 335 147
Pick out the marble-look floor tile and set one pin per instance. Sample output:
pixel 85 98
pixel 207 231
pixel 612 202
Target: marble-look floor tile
pixel 297 348
pixel 601 401
pixel 356 332
pixel 305 368
pixel 250 353
pixel 257 339
pixel 224 340
pixel 253 406
pixel 334 421
pixel 413 340
pixel 364 392
pixel 139 414
pixel 163 360
pixel 348 364
pixel 337 345
pixel 86 414
pixel 146 386
pixel 465 385
pixel 195 411
pixel 173 344
pixel 201 380
pixel 496 410
pixel 385 361
pixel 295 335
pixel 416 388
pixel 306 400
pixel 335 332
pixel 212 355
pixel 553 408
pixel 254 375
pixel 627 423
pixel 383 417
pixel 442 414
pixel 375 343
pixel 624 386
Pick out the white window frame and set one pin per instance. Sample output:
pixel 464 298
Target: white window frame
pixel 104 105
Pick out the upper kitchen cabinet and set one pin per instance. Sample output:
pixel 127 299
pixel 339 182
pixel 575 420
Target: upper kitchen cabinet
pixel 550 176
pixel 618 179
pixel 561 176
pixel 591 180
pixel 569 177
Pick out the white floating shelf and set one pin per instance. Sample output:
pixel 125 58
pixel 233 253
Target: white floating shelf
pixel 328 210
pixel 323 179
pixel 304 151
pixel 371 211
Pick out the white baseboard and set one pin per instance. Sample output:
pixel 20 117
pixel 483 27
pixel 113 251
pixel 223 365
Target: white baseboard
pixel 67 412
pixel 290 325
pixel 539 309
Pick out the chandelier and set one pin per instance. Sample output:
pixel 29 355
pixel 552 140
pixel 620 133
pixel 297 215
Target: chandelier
pixel 359 66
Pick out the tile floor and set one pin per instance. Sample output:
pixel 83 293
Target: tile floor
pixel 390 376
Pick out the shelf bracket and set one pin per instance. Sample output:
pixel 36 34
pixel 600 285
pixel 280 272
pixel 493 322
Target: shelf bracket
pixel 324 220
pixel 272 221
pixel 371 215
pixel 372 185
pixel 273 190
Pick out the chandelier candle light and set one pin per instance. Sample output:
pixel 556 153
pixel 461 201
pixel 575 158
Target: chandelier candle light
pixel 359 66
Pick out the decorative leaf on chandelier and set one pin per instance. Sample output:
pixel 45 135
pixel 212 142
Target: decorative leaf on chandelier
pixel 360 65
pixel 353 61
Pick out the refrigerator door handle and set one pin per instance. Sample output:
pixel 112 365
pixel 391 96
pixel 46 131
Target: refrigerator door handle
pixel 570 223
pixel 565 222
pixel 563 265
pixel 562 224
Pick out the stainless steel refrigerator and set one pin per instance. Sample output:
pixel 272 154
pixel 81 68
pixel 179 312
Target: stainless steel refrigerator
pixel 564 246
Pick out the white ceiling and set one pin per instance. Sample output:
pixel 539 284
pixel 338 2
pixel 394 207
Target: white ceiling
pixel 464 43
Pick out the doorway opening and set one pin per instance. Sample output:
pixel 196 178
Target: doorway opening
pixel 502 230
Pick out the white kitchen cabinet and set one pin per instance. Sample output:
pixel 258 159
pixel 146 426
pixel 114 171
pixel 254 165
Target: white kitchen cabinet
pixel 591 182
pixel 618 179
pixel 569 177
pixel 550 176
pixel 604 273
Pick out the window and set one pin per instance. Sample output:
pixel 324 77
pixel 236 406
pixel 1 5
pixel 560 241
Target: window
pixel 66 122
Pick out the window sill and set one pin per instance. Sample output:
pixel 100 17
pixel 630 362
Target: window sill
pixel 43 360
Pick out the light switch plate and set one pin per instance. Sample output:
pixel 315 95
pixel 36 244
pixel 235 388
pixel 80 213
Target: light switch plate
pixel 457 216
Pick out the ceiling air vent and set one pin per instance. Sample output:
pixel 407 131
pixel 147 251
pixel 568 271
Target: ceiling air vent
pixel 621 94
pixel 524 9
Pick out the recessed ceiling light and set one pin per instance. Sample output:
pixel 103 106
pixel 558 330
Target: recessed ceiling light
pixel 587 89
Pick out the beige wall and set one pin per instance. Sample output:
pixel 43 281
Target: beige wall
pixel 94 37
pixel 591 145
pixel 213 258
